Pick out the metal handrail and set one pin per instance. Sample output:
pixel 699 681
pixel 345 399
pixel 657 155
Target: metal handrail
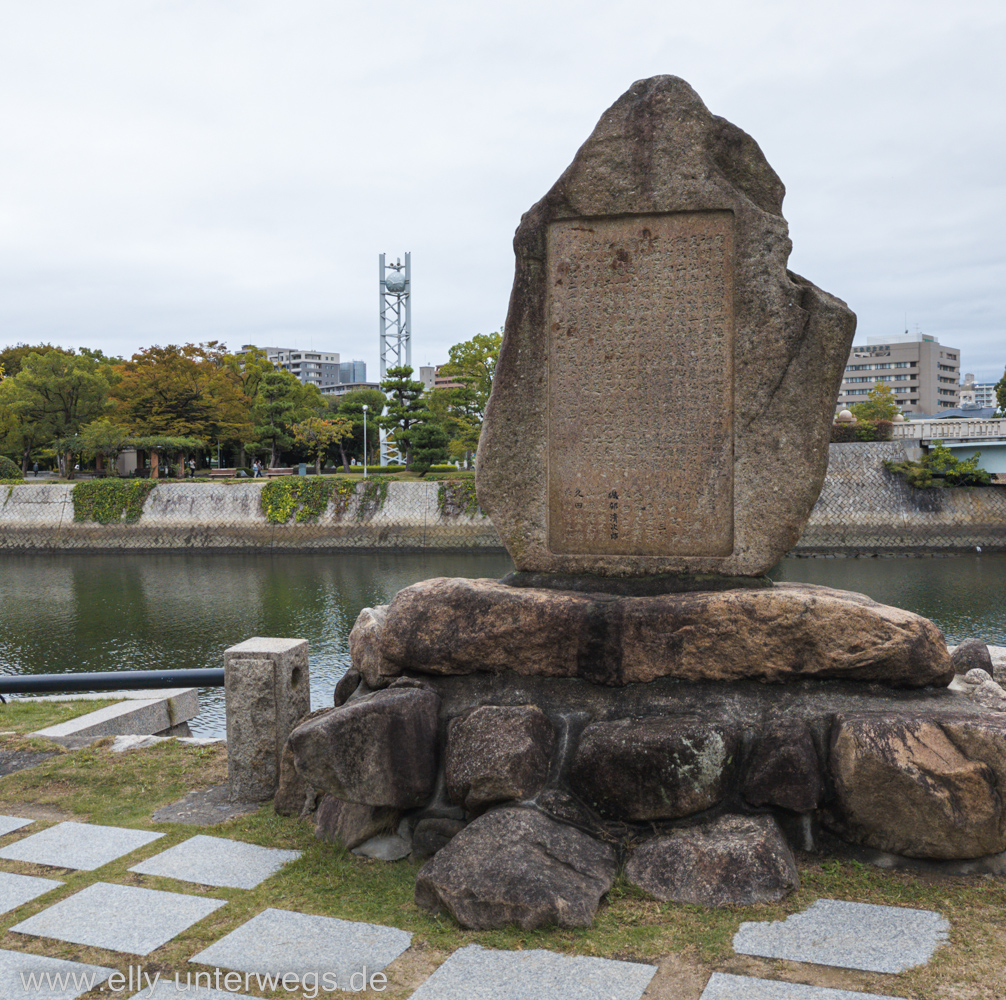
pixel 112 680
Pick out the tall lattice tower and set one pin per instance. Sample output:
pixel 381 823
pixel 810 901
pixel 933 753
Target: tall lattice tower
pixel 396 327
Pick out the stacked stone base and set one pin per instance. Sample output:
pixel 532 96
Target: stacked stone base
pixel 527 793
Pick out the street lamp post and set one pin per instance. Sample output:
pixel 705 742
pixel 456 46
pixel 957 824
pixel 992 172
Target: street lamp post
pixel 364 440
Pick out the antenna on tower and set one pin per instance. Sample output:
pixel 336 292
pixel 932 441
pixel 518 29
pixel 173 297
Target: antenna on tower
pixel 396 325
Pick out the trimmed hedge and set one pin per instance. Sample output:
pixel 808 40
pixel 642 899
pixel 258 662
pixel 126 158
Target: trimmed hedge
pixel 862 430
pixel 9 470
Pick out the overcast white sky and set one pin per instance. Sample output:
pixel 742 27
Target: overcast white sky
pixel 184 170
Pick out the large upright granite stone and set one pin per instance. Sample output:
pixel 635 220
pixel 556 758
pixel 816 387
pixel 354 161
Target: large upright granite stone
pixel 663 397
pixel 780 633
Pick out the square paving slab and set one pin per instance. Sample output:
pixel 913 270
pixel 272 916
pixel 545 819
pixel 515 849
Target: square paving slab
pixel 58 979
pixel 476 973
pixel 18 889
pixel 77 845
pixel 279 941
pixel 217 861
pixel 8 824
pixel 187 990
pixel 724 987
pixel 849 936
pixel 119 917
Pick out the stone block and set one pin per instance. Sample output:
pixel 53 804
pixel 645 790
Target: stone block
pixel 349 823
pixel 279 941
pixel 783 769
pixel 119 917
pixel 433 833
pixel 923 788
pixel 15 964
pixel 378 750
pixel 517 866
pixel 777 633
pixel 84 846
pixel 295 796
pixel 155 713
pixel 217 861
pixel 496 753
pixel 267 686
pixel 848 935
pixel 971 654
pixel 724 986
pixel 732 861
pixel 652 769
pixel 18 889
pixel 477 973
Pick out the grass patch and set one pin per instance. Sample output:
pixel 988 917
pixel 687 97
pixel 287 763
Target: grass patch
pixel 124 789
pixel 28 716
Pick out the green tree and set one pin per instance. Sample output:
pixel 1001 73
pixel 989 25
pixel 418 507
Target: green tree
pixel 317 436
pixel 53 396
pixel 406 407
pixel 350 405
pixel 280 402
pixel 429 443
pixel 472 365
pixel 1001 395
pixel 880 404
pixel 103 441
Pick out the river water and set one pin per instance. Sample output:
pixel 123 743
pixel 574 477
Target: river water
pixel 78 612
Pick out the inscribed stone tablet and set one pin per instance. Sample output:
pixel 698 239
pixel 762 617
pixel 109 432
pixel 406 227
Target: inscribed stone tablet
pixel 640 382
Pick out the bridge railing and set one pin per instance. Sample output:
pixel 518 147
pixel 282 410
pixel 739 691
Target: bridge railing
pixel 949 430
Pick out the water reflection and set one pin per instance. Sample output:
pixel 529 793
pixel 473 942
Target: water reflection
pixel 77 612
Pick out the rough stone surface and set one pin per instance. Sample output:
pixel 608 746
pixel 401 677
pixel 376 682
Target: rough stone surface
pixel 295 796
pixel 989 695
pixel 379 749
pixel 497 753
pixel 783 769
pixel 476 973
pixel 205 807
pixel 15 964
pixel 733 861
pixel 433 833
pixel 662 248
pixel 848 935
pixel 926 788
pixel 650 769
pixel 457 626
pixel 349 823
pixel 267 686
pixel 18 889
pixel 969 654
pixel 516 865
pixel 8 824
pixel 348 683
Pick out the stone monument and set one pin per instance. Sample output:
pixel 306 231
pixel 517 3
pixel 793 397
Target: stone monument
pixel 638 691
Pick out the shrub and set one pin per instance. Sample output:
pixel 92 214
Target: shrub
pixel 108 500
pixel 862 430
pixel 9 469
pixel 941 468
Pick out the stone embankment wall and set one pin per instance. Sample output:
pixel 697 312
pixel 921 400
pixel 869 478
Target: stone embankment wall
pixel 865 508
pixel 862 508
pixel 230 517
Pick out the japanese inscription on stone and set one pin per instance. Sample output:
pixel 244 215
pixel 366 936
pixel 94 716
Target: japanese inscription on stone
pixel 640 385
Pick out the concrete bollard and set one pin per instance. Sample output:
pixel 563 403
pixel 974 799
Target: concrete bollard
pixel 268 689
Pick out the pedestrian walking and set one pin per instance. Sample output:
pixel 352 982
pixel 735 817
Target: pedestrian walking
pixel 35 467
pixel 192 468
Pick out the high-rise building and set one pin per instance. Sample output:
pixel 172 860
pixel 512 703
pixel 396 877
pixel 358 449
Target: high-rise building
pixel 923 373
pixel 320 367
pixel 352 371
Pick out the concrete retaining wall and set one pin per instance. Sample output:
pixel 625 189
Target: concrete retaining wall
pixel 862 508
pixel 221 516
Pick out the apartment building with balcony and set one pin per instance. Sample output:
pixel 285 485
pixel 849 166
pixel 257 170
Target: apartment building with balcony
pixel 924 374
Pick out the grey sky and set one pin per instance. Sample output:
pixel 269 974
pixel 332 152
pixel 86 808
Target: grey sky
pixel 178 171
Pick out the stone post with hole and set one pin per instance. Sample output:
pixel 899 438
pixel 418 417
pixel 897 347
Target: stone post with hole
pixel 268 689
